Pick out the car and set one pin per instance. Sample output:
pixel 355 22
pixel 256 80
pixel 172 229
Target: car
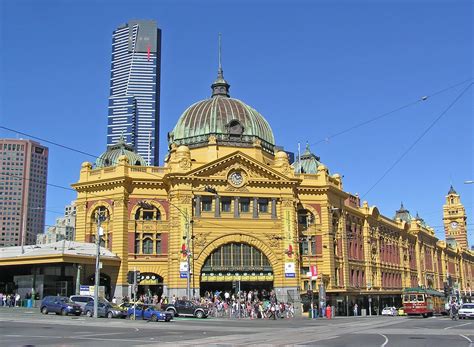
pixel 466 311
pixel 105 309
pixel 81 300
pixel 59 305
pixel 401 312
pixel 149 312
pixel 187 308
pixel 389 311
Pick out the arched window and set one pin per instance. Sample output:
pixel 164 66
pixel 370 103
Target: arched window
pixel 147 247
pixel 147 213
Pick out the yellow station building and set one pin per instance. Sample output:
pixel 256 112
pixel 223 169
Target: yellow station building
pixel 228 207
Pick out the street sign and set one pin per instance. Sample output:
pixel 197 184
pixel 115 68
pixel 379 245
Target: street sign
pixel 290 270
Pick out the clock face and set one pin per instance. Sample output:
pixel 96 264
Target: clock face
pixel 236 179
pixel 454 225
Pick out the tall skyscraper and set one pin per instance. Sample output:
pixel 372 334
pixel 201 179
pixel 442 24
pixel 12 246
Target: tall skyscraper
pixel 134 102
pixel 23 176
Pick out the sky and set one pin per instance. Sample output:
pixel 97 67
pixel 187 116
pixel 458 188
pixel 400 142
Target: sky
pixel 313 69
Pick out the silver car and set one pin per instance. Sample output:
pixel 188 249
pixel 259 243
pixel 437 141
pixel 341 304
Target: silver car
pixel 81 300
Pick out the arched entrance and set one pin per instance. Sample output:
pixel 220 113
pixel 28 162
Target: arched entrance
pixel 233 265
pixel 150 285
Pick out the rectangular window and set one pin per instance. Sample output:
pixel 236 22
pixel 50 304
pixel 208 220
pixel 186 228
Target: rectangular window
pixel 206 204
pixel 225 205
pixel 263 205
pixel 244 205
pixel 313 245
pixel 236 256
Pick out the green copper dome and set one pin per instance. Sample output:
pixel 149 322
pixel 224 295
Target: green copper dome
pixel 229 120
pixel 110 157
pixel 307 163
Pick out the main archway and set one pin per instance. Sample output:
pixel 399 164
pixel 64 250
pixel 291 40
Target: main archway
pixel 234 266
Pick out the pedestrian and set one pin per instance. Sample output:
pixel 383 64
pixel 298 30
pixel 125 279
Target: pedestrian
pixel 355 310
pixel 17 300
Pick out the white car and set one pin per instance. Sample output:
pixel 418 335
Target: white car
pixel 389 311
pixel 466 311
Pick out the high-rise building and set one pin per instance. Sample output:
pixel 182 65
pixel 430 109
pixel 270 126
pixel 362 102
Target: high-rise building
pixel 23 176
pixel 134 102
pixel 454 219
pixel 63 229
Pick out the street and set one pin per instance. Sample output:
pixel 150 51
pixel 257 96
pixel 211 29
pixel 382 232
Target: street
pixel 27 327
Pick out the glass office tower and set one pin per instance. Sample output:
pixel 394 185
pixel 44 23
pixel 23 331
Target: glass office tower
pixel 134 102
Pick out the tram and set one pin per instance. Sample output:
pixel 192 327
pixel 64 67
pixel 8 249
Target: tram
pixel 424 302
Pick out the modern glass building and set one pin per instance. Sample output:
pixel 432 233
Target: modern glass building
pixel 134 102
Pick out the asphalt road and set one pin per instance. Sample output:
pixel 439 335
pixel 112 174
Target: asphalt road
pixel 23 327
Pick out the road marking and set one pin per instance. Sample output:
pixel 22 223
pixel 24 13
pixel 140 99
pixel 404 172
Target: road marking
pixel 471 344
pixel 455 326
pixel 386 340
pixel 136 329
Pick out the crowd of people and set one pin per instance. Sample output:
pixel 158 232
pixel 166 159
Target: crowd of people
pixel 251 304
pixel 10 300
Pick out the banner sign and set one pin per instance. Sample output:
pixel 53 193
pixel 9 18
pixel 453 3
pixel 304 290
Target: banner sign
pixel 290 270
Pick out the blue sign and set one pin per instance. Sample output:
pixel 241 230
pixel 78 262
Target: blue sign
pixel 183 275
pixel 292 275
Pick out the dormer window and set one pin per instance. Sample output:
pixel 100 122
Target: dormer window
pixel 235 129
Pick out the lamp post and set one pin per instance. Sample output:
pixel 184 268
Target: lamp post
pixel 100 219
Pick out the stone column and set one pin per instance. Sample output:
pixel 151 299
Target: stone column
pixel 274 209
pixel 197 212
pixel 236 207
pixel 217 212
pixel 255 208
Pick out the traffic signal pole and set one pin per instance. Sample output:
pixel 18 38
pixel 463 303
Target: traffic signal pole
pixel 97 267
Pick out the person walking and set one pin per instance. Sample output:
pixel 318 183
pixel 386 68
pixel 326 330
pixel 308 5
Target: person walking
pixel 355 309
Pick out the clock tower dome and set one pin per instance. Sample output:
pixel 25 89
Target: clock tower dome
pixel 454 219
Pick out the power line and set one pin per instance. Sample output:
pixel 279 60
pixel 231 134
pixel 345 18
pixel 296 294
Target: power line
pixel 418 138
pixel 48 141
pixel 383 115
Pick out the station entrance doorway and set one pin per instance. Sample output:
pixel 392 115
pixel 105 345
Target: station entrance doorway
pixel 235 265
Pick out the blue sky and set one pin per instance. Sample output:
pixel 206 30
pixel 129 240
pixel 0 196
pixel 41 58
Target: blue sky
pixel 312 69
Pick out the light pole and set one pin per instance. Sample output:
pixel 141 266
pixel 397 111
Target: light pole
pixel 100 218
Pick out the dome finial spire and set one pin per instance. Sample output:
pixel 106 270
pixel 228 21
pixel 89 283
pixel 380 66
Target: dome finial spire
pixel 220 85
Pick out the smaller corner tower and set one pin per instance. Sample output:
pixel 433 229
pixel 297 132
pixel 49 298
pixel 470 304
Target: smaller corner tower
pixel 454 219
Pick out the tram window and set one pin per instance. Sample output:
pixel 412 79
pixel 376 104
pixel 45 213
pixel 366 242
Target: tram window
pixel 206 204
pixel 406 298
pixel 412 297
pixel 420 298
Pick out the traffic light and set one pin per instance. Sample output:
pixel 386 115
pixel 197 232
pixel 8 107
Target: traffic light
pixel 139 278
pixel 446 290
pixel 130 275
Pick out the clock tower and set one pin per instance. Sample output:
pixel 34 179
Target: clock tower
pixel 454 219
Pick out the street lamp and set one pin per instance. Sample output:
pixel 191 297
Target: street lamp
pixel 100 219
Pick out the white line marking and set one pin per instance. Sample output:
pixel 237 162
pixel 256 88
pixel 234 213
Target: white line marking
pixel 136 329
pixel 455 326
pixel 471 344
pixel 386 340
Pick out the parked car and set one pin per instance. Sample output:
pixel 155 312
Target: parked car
pixel 149 312
pixel 466 311
pixel 389 311
pixel 59 305
pixel 401 312
pixel 105 309
pixel 81 300
pixel 187 308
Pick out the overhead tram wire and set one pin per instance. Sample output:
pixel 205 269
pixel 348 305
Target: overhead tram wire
pixel 150 173
pixel 418 139
pixel 386 114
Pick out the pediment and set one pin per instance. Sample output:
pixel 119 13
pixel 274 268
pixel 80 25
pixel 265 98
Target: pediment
pixel 253 169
